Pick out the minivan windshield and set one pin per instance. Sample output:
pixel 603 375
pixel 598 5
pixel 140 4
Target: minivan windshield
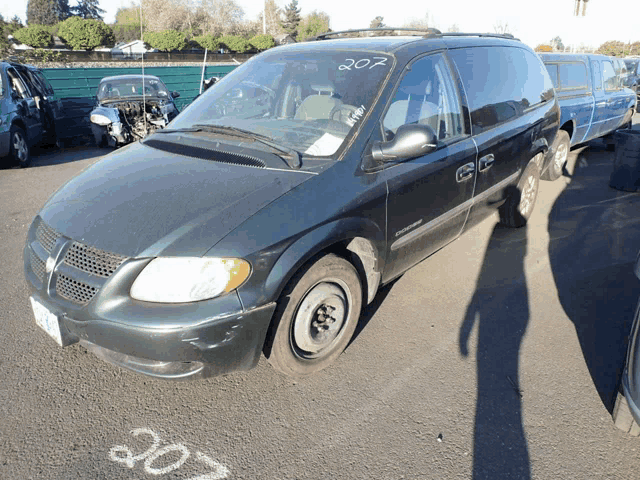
pixel 309 102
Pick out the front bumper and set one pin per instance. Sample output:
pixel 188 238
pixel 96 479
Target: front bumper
pixel 170 341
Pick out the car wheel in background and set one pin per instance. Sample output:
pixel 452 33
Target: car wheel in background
pixel 316 316
pixel 19 147
pixel 521 199
pixel 560 148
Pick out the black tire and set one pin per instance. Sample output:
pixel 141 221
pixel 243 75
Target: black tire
pixel 19 147
pixel 306 334
pixel 622 417
pixel 560 150
pixel 521 199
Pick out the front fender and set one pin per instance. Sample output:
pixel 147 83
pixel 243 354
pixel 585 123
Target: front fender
pixel 266 284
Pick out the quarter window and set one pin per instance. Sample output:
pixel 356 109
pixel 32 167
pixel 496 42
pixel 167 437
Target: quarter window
pixel 552 68
pixel 573 76
pixel 427 95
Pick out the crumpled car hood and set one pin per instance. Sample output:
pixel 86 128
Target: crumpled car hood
pixel 141 202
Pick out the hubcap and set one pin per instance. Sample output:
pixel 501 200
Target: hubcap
pixel 528 195
pixel 561 156
pixel 320 318
pixel 20 146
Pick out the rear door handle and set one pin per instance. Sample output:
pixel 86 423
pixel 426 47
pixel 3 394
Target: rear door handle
pixel 465 172
pixel 486 162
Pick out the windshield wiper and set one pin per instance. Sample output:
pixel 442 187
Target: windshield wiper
pixel 291 156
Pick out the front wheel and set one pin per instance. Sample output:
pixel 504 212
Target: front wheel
pixel 315 318
pixel 20 151
pixel 520 201
pixel 560 148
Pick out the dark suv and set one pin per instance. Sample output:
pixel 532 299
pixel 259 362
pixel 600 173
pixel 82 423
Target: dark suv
pixel 271 210
pixel 31 112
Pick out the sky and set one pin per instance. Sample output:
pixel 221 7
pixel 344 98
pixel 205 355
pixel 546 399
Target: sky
pixel 533 22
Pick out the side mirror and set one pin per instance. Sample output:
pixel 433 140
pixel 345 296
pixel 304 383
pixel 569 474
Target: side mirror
pixel 410 141
pixel 175 94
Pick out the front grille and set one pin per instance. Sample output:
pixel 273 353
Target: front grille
pixel 37 266
pixel 74 291
pixel 47 236
pixel 92 260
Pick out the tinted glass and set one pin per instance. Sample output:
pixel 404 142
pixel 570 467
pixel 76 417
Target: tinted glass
pixel 609 77
pixel 632 66
pixel 573 75
pixel 45 83
pixel 118 88
pixel 597 76
pixel 427 95
pixel 552 68
pixel 501 83
pixel 308 101
pixel 17 85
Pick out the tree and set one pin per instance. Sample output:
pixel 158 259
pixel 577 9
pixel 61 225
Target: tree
pixel 209 42
pixel 262 42
pixel 221 16
pixel 87 34
pixel 454 28
pixel 274 18
pixel 313 24
pixel 88 9
pixel 13 26
pixel 42 12
pixel 235 43
pixel 377 23
pixel 63 9
pixel 166 41
pixel 420 23
pixel 35 36
pixel 613 48
pixel 292 18
pixel 556 43
pixel 502 28
pixel 128 16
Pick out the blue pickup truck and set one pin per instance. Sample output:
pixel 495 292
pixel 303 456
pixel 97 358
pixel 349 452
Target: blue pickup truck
pixel 593 101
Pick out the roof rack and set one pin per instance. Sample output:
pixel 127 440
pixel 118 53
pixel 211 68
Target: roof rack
pixel 424 32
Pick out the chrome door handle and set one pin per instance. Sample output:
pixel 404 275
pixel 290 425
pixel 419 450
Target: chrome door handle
pixel 465 172
pixel 486 162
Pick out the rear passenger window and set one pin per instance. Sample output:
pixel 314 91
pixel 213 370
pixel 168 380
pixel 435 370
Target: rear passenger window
pixel 501 83
pixel 427 95
pixel 609 76
pixel 573 76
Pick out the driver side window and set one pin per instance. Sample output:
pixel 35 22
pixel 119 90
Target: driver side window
pixel 427 96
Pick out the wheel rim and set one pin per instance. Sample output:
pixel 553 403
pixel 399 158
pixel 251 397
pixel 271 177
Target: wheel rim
pixel 561 156
pixel 20 146
pixel 320 318
pixel 528 195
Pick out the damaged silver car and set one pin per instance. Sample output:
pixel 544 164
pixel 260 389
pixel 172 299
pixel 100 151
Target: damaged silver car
pixel 127 112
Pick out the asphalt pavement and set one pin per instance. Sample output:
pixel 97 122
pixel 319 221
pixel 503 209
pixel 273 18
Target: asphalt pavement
pixel 497 357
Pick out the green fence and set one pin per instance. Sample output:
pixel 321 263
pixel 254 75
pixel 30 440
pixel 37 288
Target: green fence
pixel 77 87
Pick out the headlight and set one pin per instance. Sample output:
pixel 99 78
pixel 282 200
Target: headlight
pixel 99 119
pixel 179 280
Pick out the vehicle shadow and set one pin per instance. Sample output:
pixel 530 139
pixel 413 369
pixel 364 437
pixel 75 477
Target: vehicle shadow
pixel 594 237
pixel 500 308
pixel 370 310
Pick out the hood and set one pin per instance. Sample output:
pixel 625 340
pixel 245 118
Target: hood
pixel 140 201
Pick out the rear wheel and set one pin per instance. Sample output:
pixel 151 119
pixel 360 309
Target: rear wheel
pixel 315 318
pixel 519 205
pixel 560 150
pixel 19 148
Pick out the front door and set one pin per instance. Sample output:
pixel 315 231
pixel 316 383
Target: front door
pixel 26 105
pixel 429 196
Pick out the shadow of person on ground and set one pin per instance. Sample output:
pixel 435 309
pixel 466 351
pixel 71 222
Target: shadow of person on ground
pixel 594 237
pixel 500 308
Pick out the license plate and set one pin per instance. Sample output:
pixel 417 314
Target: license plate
pixel 47 320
